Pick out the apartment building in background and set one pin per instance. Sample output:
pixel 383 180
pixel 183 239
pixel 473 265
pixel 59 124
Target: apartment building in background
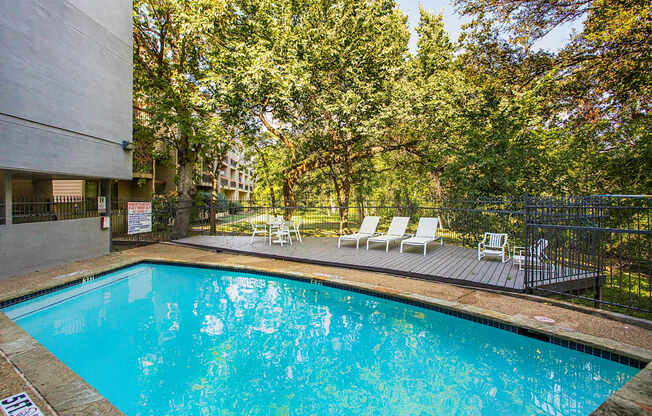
pixel 153 176
pixel 235 178
pixel 65 114
pixel 235 181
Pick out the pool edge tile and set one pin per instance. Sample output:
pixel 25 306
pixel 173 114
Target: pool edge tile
pixel 63 389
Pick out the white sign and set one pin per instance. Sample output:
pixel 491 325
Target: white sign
pixel 19 405
pixel 101 204
pixel 139 217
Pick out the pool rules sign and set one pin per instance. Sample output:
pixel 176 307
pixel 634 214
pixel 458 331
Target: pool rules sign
pixel 139 217
pixel 19 405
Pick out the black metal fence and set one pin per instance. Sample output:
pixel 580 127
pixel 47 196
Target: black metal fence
pixel 25 210
pixel 464 221
pixel 593 250
pixel 163 214
pixel 598 250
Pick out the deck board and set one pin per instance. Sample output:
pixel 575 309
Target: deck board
pixel 447 262
pixel 443 263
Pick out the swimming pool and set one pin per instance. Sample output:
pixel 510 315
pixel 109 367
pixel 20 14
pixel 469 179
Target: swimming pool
pixel 173 340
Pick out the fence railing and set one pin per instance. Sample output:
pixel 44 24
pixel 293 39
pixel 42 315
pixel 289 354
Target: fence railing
pixel 464 222
pixel 599 250
pixel 26 210
pixel 163 215
pixel 595 250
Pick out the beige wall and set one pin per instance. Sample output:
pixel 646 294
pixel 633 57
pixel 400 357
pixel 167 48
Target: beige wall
pixel 67 188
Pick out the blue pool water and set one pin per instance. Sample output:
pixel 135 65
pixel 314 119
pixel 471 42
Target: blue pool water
pixel 173 340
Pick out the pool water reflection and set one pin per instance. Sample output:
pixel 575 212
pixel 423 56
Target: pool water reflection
pixel 173 340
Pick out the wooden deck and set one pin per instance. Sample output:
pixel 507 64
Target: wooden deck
pixel 445 263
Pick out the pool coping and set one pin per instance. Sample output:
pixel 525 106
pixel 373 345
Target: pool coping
pixel 23 351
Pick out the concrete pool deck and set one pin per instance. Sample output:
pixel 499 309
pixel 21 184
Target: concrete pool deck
pixel 27 366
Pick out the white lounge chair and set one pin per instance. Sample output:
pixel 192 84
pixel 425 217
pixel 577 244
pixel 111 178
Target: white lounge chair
pixel 367 229
pixel 396 232
pixel 426 233
pixel 494 244
pixel 535 255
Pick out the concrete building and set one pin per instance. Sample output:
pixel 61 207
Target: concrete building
pixel 155 177
pixel 235 180
pixel 65 113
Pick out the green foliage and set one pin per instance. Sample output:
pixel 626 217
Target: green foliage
pixel 336 110
pixel 601 83
pixel 203 199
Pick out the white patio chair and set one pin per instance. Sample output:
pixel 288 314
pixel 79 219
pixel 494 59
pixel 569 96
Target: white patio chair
pixel 282 231
pixel 273 225
pixel 257 229
pixel 535 255
pixel 494 244
pixel 396 232
pixel 367 229
pixel 295 228
pixel 426 233
pixel 259 226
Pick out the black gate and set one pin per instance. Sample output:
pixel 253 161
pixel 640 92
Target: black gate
pixel 594 248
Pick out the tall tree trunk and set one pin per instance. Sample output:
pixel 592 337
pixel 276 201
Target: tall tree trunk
pixel 344 206
pixel 361 212
pixel 185 186
pixel 211 211
pixel 288 198
pixel 343 192
pixel 272 195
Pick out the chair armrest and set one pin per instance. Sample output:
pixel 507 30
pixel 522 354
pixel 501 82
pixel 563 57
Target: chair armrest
pixel 520 249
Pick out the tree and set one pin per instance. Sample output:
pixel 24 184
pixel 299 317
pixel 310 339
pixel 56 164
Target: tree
pixel 602 80
pixel 213 154
pixel 172 40
pixel 320 79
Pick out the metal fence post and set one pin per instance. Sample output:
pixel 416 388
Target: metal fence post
pixel 526 243
pixel 597 246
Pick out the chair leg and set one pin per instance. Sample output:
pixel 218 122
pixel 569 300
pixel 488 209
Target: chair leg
pixel 387 247
pixel 424 249
pixel 401 249
pixel 339 242
pixel 367 244
pixel 357 243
